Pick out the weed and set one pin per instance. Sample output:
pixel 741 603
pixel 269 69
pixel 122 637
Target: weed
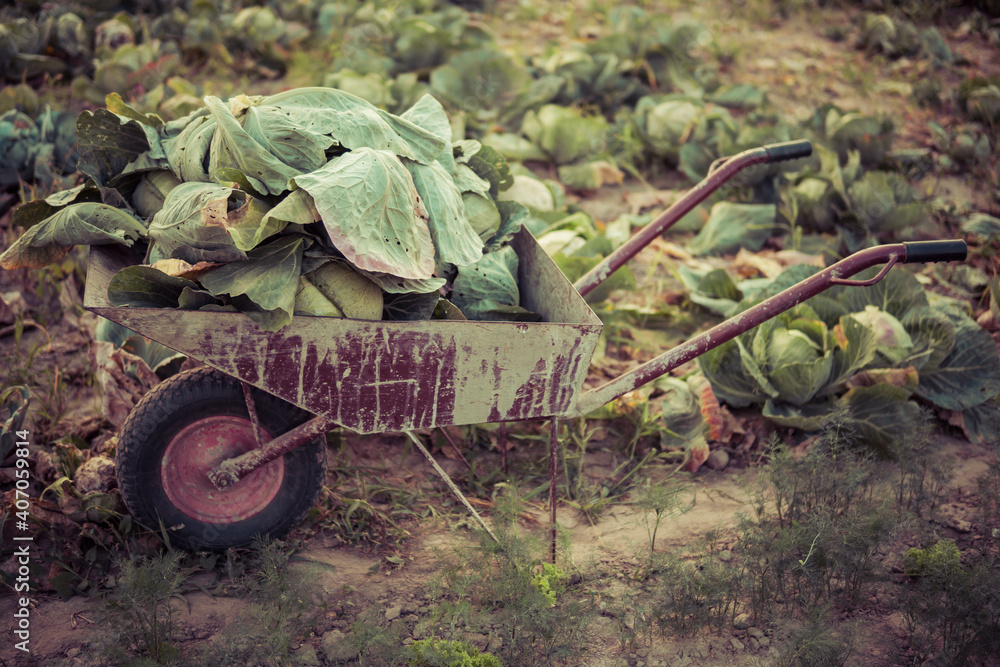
pixel 139 617
pixel 276 615
pixel 815 643
pixel 658 502
pixel 821 542
pixel 448 653
pixel 923 472
pixel 951 611
pixel 366 511
pixel 502 581
pixel 377 644
pixel 695 593
pixel 988 501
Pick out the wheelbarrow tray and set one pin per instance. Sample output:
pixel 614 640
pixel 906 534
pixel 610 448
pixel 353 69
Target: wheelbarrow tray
pixel 378 376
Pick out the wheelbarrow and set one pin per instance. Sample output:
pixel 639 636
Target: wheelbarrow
pixel 236 448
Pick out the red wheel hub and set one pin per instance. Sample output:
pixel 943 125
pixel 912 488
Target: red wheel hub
pixel 201 446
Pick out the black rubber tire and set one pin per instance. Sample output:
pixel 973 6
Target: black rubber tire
pixel 182 400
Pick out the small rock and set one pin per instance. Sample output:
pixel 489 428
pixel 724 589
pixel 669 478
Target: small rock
pixel 756 633
pixel 718 459
pixel 737 644
pixel 96 474
pixel 337 647
pixel 725 555
pixel 682 661
pixel 392 613
pixel 306 656
pixel 479 641
pixel 764 641
pixel 73 652
pixel 494 645
pixel 742 622
pixel 754 644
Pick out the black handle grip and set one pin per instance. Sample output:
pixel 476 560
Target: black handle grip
pixel 935 251
pixel 790 150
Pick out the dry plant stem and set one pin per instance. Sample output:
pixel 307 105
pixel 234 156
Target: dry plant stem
pixel 553 453
pixel 451 485
pixel 503 448
pixel 455 447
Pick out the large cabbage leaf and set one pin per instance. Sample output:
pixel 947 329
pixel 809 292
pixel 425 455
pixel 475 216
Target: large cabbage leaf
pixel 723 367
pixel 268 278
pixel 969 375
pixel 285 137
pixel 372 213
pixel 428 114
pixel 188 150
pixel 455 241
pixel 77 224
pixel 232 146
pixel 354 123
pixel 733 226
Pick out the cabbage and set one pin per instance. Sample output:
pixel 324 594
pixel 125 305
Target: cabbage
pixel 565 133
pixel 891 338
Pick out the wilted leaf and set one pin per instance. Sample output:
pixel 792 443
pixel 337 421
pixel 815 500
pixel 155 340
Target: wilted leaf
pixel 146 287
pixel 192 225
pixel 108 143
pixel 77 224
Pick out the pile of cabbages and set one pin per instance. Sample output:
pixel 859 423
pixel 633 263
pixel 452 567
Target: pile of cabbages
pixel 308 202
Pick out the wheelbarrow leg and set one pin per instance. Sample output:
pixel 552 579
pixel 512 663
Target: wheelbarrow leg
pixel 451 485
pixel 553 456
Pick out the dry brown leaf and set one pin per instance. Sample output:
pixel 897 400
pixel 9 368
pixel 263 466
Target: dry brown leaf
pixel 124 379
pixel 181 269
pixel 638 202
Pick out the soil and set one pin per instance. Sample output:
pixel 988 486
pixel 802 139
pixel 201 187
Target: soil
pixel 800 70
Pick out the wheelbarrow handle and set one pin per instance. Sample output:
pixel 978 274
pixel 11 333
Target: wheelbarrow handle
pixel 836 274
pixel 719 173
pixel 953 250
pixel 789 150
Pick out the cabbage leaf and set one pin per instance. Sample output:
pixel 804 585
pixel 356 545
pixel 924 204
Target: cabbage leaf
pixel 372 213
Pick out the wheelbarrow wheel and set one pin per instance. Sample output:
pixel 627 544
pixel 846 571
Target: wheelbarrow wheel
pixel 186 426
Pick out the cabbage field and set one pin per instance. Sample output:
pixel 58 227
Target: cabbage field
pixel 823 489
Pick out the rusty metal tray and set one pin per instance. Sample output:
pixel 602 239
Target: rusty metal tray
pixel 377 376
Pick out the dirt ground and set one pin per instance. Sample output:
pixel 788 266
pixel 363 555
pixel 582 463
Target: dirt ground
pixel 800 69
